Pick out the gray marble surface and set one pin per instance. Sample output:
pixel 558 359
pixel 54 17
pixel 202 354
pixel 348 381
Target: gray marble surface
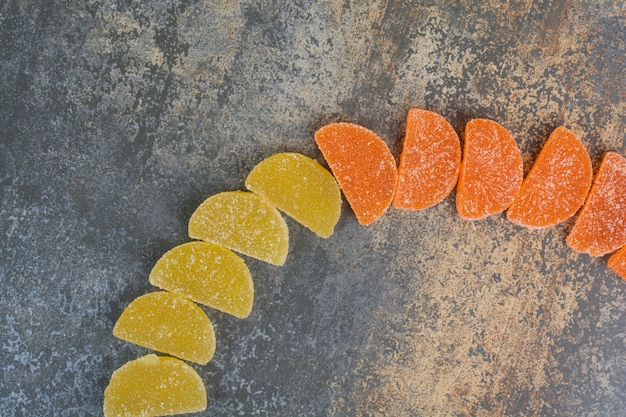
pixel 118 118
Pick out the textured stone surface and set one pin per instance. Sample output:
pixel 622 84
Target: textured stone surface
pixel 119 118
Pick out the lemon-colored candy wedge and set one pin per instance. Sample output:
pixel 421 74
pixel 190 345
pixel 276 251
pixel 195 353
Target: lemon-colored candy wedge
pixel 300 187
pixel 243 222
pixel 168 323
pixel 208 274
pixel 154 386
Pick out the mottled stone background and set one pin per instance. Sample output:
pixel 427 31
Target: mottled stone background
pixel 117 118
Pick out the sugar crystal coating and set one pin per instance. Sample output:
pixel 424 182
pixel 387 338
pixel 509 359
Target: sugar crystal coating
pixel 429 163
pixel 600 228
pixel 154 386
pixel 363 165
pixel 208 274
pixel 168 323
pixel 491 170
pixel 300 187
pixel 243 222
pixel 557 184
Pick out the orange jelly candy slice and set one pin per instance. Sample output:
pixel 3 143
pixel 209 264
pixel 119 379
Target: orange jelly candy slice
pixel 208 274
pixel 154 386
pixel 363 165
pixel 491 171
pixel 170 324
pixel 557 184
pixel 600 228
pixel 617 262
pixel 429 163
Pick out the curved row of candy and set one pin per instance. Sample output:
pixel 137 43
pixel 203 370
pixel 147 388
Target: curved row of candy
pixel 208 272
pixel 488 179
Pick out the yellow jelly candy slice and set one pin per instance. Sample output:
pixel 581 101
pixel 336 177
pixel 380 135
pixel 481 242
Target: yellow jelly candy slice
pixel 300 187
pixel 154 386
pixel 170 324
pixel 208 274
pixel 243 222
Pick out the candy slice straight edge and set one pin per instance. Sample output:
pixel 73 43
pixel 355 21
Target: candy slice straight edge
pixel 300 187
pixel 557 184
pixel 617 262
pixel 208 274
pixel 363 165
pixel 170 324
pixel 154 386
pixel 491 171
pixel 600 228
pixel 243 222
pixel 429 163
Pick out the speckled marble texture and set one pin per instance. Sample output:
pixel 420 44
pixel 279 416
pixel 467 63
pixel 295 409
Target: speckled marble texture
pixel 118 118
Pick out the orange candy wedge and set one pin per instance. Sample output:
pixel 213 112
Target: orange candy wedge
pixel 557 184
pixel 429 163
pixel 363 166
pixel 617 262
pixel 600 228
pixel 491 171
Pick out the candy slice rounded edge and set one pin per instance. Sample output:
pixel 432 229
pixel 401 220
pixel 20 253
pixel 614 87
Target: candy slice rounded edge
pixel 489 150
pixel 300 187
pixel 154 386
pixel 429 163
pixel 600 227
pixel 242 222
pixel 208 274
pixel 363 166
pixel 170 324
pixel 557 184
